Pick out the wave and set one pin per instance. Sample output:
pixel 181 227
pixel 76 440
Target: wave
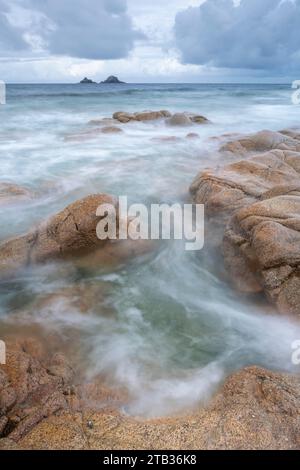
pixel 32 93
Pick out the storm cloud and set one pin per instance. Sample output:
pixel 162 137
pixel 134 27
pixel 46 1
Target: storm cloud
pixel 254 34
pixel 94 29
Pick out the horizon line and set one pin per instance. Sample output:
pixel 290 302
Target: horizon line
pixel 149 83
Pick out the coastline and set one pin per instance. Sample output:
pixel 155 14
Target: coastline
pixel 253 200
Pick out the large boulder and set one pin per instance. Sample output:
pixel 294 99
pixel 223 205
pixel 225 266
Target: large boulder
pixel 262 242
pixel 232 186
pixel 263 141
pixel 70 232
pixel 254 207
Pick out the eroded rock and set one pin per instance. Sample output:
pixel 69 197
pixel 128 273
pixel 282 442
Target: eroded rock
pixel 33 386
pixel 255 205
pixel 263 241
pixel 263 141
pixel 70 232
pixel 255 409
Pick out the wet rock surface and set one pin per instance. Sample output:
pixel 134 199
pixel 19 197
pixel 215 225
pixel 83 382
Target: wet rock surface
pixel 71 231
pixel 255 204
pixel 255 409
pixel 107 125
pixel 33 386
pixel 177 119
pixel 125 117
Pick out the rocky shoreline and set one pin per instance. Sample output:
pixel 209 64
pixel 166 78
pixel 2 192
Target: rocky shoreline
pixel 44 407
pixel 253 206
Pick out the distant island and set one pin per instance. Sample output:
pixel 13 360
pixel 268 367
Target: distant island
pixel 87 80
pixel 112 79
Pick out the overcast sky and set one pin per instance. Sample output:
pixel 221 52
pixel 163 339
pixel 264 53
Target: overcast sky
pixel 150 40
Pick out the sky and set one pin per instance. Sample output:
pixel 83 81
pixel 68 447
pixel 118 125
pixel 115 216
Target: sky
pixel 188 41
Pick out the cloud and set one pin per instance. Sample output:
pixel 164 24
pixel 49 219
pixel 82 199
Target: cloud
pixel 254 34
pixel 10 38
pixel 93 29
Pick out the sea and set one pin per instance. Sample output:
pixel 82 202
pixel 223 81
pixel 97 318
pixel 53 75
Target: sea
pixel 165 326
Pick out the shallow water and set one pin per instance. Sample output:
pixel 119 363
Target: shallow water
pixel 164 326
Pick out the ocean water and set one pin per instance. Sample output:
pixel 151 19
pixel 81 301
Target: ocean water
pixel 164 326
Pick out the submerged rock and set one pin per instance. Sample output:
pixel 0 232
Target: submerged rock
pixel 256 204
pixel 102 122
pixel 192 135
pixel 111 130
pixel 92 133
pixel 179 119
pixel 12 193
pixel 166 139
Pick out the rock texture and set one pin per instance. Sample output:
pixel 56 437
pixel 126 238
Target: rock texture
pixel 264 140
pixel 255 203
pixel 255 409
pixel 70 232
pixel 33 386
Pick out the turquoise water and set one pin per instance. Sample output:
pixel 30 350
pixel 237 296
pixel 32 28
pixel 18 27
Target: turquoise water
pixel 164 326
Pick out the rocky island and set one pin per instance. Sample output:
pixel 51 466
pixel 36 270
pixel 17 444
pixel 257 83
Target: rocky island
pixel 87 81
pixel 112 79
